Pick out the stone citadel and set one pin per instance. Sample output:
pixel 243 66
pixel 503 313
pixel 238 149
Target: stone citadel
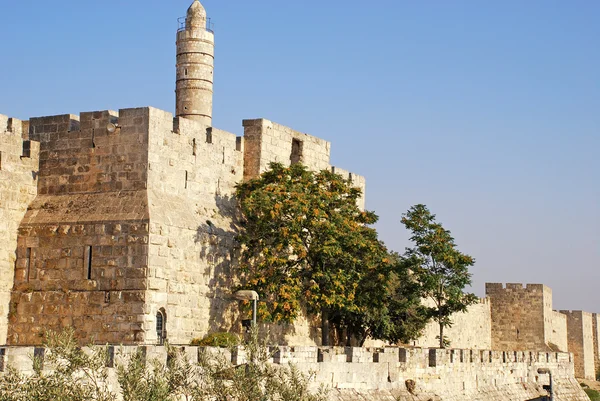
pixel 122 225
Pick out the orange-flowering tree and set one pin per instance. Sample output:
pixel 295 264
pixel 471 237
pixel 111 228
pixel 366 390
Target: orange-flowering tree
pixel 307 245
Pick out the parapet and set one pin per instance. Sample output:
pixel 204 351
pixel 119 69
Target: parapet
pixel 491 288
pixel 15 146
pixel 14 125
pixel 267 142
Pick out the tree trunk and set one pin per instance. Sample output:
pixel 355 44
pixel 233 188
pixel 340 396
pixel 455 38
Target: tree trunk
pixel 324 327
pixel 442 335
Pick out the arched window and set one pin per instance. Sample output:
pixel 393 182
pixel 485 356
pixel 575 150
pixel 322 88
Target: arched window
pixel 161 326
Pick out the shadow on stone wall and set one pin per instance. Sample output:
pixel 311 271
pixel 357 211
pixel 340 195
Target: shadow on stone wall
pixel 217 236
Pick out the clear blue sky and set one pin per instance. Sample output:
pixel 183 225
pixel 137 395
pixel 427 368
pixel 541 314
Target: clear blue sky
pixel 488 112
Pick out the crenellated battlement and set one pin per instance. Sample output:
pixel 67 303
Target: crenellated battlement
pixel 16 148
pixel 425 373
pixel 514 287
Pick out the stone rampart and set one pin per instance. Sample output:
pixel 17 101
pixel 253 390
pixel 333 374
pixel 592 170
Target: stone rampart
pixel 581 342
pixel 18 179
pixel 522 318
pixel 194 220
pixel 83 243
pixel 399 373
pixel 471 329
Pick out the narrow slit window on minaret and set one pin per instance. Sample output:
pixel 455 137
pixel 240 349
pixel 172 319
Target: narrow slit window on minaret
pixel 209 135
pixel 186 179
pixel 194 147
pixel 88 262
pixel 185 72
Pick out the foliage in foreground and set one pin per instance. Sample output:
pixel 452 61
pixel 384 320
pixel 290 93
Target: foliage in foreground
pixel 592 394
pixel 221 339
pixel 307 246
pixel 77 375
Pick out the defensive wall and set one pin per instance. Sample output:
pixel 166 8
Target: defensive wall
pixel 129 218
pixel 581 342
pixel 18 178
pixel 471 329
pixel 518 316
pixel 390 373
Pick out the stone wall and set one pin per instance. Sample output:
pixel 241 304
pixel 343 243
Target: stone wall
pixel 517 316
pixel 83 243
pixel 522 318
pixel 556 332
pixel 471 329
pixel 266 142
pixel 19 161
pixel 194 220
pixel 581 342
pixel 402 374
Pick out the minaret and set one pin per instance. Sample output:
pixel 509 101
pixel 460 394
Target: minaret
pixel 195 64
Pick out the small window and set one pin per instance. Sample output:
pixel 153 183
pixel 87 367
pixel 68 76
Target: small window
pixel 88 262
pixel 194 147
pixel 29 256
pixel 185 72
pixel 209 135
pixel 296 156
pixel 2 355
pixel 26 149
pixel 161 325
pixel 186 179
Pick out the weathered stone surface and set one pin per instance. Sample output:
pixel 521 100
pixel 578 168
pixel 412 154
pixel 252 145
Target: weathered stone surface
pixel 471 329
pixel 581 342
pixel 132 222
pixel 379 374
pixel 522 318
pixel 18 179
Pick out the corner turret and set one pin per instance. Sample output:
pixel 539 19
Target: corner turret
pixel 195 65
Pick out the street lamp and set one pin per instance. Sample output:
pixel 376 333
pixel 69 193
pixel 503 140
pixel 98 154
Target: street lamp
pixel 248 295
pixel 546 371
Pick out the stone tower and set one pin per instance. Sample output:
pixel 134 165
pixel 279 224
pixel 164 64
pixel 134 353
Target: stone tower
pixel 195 64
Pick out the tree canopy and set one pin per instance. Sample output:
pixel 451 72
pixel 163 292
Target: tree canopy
pixel 440 268
pixel 307 246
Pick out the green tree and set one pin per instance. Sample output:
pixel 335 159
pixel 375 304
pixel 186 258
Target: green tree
pixel 390 307
pixel 440 268
pixel 306 244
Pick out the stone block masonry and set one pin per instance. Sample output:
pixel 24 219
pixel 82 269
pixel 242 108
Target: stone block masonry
pixel 266 142
pixel 471 329
pixel 129 235
pixel 18 179
pixel 82 248
pixel 581 342
pixel 402 374
pixel 522 318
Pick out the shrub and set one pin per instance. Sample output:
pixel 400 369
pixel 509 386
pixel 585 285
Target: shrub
pixel 221 339
pixel 80 375
pixel 593 394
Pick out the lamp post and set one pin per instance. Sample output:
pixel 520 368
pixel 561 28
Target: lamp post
pixel 544 371
pixel 248 295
